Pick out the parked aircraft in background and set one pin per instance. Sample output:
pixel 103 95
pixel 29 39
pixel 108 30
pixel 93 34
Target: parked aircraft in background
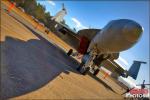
pixel 100 45
pixel 128 78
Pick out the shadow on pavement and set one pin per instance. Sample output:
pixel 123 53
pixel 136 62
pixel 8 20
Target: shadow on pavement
pixel 27 66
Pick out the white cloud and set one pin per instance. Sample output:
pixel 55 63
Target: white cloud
pixel 122 62
pixel 78 24
pixel 51 3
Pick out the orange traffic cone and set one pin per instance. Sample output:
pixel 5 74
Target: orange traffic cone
pixel 106 75
pixel 37 26
pixel 12 5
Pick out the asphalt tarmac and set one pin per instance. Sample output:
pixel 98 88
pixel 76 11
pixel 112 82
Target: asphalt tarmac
pixel 35 67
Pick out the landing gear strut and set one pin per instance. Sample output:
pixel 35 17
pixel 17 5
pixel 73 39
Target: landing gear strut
pixel 82 69
pixel 70 52
pixel 96 72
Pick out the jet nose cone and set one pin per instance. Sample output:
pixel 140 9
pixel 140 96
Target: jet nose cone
pixel 132 31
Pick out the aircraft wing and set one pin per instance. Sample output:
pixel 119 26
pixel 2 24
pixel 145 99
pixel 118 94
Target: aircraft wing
pixel 113 67
pixel 73 38
pixel 67 35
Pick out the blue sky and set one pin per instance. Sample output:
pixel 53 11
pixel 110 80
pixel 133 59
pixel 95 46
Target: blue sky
pixel 96 14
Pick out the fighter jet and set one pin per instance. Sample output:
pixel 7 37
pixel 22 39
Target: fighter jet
pixel 59 16
pixel 134 70
pixel 139 89
pixel 107 43
pixel 128 77
pixel 98 45
pixel 118 70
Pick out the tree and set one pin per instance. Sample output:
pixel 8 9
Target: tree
pixel 37 10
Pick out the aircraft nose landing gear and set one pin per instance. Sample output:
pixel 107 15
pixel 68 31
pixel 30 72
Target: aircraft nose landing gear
pixel 82 69
pixel 96 72
pixel 84 66
pixel 70 52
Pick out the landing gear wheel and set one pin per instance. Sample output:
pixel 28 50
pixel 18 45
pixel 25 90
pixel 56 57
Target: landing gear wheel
pixel 82 69
pixel 96 72
pixel 69 52
pixel 80 66
pixel 86 70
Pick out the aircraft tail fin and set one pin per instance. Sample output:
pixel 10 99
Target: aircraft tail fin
pixel 134 69
pixel 63 6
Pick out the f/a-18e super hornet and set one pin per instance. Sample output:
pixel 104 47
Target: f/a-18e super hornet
pixel 98 45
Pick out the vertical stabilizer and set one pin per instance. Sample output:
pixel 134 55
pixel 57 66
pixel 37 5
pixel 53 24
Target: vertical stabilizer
pixel 60 15
pixel 134 69
pixel 63 7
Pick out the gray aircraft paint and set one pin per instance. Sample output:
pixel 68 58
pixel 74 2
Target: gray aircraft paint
pixel 116 36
